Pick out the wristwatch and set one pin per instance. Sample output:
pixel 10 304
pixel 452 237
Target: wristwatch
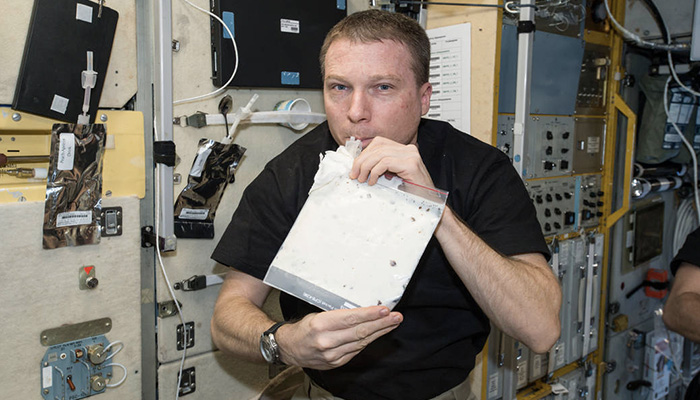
pixel 268 345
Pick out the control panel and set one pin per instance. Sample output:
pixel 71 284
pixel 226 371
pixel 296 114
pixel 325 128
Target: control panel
pixel 77 369
pixel 549 144
pixel 565 204
pixel 555 202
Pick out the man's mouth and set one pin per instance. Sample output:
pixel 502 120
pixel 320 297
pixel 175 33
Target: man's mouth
pixel 365 142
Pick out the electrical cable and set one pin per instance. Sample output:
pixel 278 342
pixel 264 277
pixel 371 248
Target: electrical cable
pixel 114 353
pixel 235 52
pixel 111 385
pixel 659 20
pixel 167 280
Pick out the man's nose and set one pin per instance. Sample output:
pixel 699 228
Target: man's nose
pixel 359 107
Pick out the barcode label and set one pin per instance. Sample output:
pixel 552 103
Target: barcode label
pixel 73 218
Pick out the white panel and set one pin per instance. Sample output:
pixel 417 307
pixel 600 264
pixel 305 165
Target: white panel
pixel 216 376
pixel 41 291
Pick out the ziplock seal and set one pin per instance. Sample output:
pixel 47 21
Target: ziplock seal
pixel 212 169
pixel 74 185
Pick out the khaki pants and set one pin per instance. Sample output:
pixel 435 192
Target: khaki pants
pixel 311 391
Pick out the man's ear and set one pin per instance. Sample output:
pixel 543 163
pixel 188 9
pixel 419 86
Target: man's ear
pixel 426 90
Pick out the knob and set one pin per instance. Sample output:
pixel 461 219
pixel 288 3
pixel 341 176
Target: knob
pixel 96 354
pixel 558 197
pixel 97 383
pixel 550 135
pixel 549 198
pixel 565 135
pixel 557 211
pixel 548 151
pixel 547 213
pixel 91 282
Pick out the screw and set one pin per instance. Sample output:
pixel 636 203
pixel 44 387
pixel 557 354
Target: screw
pixel 46 391
pixel 16 117
pixel 108 193
pixel 103 117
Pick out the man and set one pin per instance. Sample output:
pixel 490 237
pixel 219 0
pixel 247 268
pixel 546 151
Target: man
pixel 484 262
pixel 682 308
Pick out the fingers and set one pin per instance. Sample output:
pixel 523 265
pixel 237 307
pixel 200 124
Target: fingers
pixel 347 332
pixel 342 354
pixel 384 156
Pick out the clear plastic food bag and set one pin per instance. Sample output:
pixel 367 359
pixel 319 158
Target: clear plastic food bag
pixel 355 245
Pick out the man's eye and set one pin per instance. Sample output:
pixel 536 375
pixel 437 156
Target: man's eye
pixel 339 87
pixel 384 87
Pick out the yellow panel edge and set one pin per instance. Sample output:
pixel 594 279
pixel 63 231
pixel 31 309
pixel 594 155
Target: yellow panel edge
pixel 124 165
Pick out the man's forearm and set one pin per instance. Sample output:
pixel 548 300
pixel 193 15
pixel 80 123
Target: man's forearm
pixel 681 315
pixel 238 319
pixel 519 294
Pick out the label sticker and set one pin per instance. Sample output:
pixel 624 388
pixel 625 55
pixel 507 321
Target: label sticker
pixel 73 218
pixel 190 213
pixel 83 12
pixel 228 18
pixel 59 104
pixel 290 78
pixel 46 377
pixel 493 385
pixel 558 389
pixel 289 25
pixel 593 144
pixel 198 165
pixel 66 152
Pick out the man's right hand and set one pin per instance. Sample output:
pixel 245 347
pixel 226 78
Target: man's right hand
pixel 331 339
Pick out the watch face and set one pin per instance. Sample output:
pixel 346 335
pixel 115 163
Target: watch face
pixel 267 349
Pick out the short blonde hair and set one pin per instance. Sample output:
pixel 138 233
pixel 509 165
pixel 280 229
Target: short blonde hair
pixel 378 26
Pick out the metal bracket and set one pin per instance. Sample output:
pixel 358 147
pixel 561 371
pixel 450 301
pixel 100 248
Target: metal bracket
pixel 148 237
pixel 167 309
pixel 73 332
pixel 187 383
pixel 189 329
pixel 197 120
pixel 111 221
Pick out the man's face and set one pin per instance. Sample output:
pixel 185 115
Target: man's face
pixel 370 90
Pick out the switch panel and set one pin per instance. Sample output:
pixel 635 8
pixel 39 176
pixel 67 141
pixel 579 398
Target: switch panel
pixel 591 199
pixel 504 137
pixel 76 369
pixel 554 200
pixel 549 147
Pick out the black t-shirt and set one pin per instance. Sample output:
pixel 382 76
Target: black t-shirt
pixel 690 252
pixel 434 348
